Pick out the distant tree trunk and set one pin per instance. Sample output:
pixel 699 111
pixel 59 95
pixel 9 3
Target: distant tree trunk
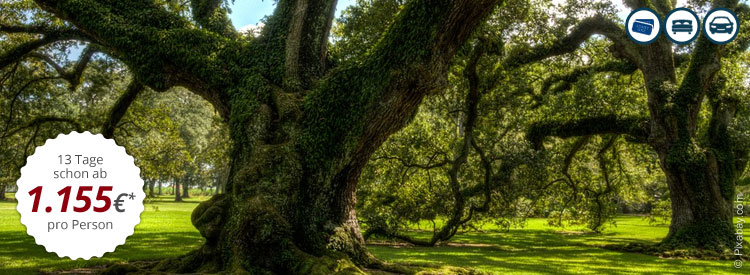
pixel 176 189
pixel 2 191
pixel 151 188
pixel 185 188
pixel 160 183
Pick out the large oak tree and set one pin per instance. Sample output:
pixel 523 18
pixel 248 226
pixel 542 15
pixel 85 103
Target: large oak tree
pixel 302 131
pixel 700 157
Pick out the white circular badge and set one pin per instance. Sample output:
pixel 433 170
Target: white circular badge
pixel 80 195
pixel 643 26
pixel 681 26
pixel 720 26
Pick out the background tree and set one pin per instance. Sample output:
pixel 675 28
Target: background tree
pixel 696 152
pixel 410 178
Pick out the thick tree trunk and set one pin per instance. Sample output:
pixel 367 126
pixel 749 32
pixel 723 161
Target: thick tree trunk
pixel 701 180
pixel 160 188
pixel 252 226
pixel 701 171
pixel 701 204
pixel 2 192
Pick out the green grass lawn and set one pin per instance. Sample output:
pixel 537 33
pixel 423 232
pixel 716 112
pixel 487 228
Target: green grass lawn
pixel 540 249
pixel 165 231
pixel 162 233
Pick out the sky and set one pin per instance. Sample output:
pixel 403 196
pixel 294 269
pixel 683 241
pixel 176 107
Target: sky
pixel 250 12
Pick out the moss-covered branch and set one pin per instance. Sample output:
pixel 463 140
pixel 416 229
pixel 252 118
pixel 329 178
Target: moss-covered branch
pixel 296 37
pixel 563 82
pixel 49 36
pixel 636 127
pixel 38 121
pixel 212 16
pixel 73 76
pixel 160 47
pixel 364 103
pixel 704 65
pixel 120 108
pixel 354 110
pixel 597 24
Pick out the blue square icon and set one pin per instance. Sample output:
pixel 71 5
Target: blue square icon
pixel 644 26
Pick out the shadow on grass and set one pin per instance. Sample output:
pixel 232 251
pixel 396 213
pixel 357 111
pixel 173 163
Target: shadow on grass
pixel 140 246
pixel 545 252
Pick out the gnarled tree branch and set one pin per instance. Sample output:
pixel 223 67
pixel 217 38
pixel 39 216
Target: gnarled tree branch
pixel 48 37
pixel 120 108
pixel 73 76
pixel 36 122
pixel 597 24
pixel 636 127
pixel 563 82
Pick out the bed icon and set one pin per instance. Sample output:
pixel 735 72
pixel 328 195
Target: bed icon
pixel 644 26
pixel 682 25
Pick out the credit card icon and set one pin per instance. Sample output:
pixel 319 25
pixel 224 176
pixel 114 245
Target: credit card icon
pixel 644 26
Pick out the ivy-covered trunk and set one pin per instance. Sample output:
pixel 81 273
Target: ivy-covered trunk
pixel 700 166
pixel 281 211
pixel 701 199
pixel 701 173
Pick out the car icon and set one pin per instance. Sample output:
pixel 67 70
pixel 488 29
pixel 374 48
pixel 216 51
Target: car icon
pixel 720 24
pixel 682 26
